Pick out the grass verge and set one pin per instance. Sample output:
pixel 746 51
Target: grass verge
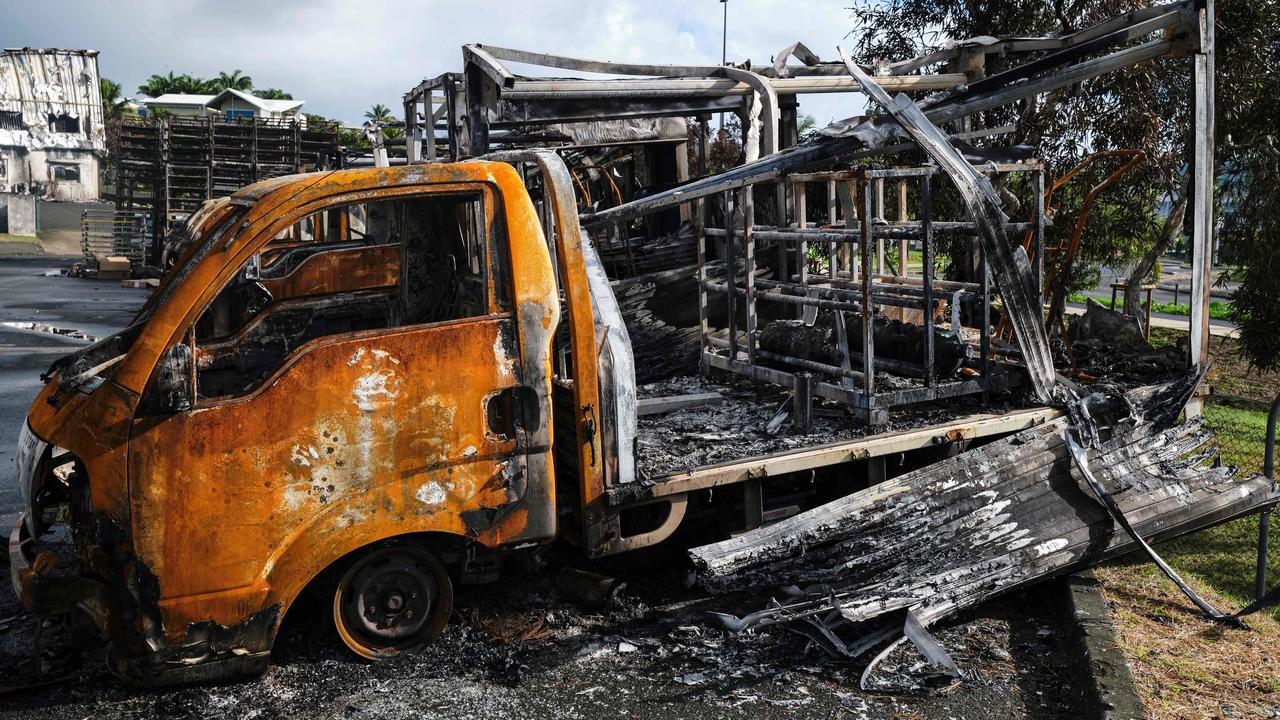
pixel 1218 310
pixel 1186 667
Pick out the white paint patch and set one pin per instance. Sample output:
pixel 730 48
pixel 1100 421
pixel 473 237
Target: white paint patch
pixel 371 387
pixel 299 456
pixel 469 451
pixel 505 364
pixel 1050 546
pixel 431 493
pixel 295 496
pixel 356 357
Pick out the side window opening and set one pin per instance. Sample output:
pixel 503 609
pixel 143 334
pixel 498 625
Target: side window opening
pixel 362 266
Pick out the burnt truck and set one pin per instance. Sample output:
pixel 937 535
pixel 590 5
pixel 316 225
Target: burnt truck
pixel 367 380
pixel 369 383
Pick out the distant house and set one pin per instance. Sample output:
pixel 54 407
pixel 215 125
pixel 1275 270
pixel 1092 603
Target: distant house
pixel 178 104
pixel 228 103
pixel 52 136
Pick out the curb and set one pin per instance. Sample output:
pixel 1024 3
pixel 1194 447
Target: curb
pixel 1102 672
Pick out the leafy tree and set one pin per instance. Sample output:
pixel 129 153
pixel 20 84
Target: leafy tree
pixel 158 85
pixel 806 127
pixel 273 94
pixel 1248 94
pixel 379 113
pixel 235 80
pixel 1147 107
pixel 352 138
pixel 1144 107
pixel 725 149
pixel 112 102
pixel 186 84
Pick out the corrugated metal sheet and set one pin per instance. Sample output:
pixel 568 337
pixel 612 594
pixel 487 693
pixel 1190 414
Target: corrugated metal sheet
pixel 41 82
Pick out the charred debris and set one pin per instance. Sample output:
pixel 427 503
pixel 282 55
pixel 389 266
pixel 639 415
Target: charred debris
pixel 788 314
pixel 789 284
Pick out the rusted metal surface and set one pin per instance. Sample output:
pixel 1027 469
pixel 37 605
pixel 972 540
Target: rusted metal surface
pixel 339 270
pixel 603 377
pixel 206 538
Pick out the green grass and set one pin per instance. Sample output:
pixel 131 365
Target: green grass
pixel 914 257
pixel 19 245
pixel 1225 557
pixel 1218 310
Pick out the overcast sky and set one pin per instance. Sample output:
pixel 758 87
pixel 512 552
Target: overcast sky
pixel 342 57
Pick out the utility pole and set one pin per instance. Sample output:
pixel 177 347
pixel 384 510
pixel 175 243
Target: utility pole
pixel 724 44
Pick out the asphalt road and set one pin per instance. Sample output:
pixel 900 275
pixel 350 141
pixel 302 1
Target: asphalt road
pixel 1175 273
pixel 27 296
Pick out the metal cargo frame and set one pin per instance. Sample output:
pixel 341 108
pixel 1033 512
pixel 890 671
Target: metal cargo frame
pixel 458 115
pixel 855 281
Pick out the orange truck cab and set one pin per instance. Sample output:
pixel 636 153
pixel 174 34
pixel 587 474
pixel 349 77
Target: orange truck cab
pixel 354 376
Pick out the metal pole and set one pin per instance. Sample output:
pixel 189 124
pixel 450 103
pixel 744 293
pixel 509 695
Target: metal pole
pixel 1202 197
pixel 724 45
pixel 926 275
pixel 1264 518
pixel 802 402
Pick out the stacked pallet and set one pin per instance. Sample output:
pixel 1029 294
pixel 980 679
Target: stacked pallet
pixel 169 166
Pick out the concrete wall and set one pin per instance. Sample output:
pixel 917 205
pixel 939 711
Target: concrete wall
pixel 21 214
pixel 37 171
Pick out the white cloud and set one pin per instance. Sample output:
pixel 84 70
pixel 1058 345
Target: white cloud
pixel 342 57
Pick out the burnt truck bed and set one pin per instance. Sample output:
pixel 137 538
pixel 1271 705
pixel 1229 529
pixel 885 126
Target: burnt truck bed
pixel 728 441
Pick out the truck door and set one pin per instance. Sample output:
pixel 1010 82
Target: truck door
pixel 373 406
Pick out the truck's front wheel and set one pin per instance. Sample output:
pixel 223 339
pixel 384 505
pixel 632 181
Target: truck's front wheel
pixel 391 599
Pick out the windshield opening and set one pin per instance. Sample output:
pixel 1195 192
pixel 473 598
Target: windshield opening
pixel 86 368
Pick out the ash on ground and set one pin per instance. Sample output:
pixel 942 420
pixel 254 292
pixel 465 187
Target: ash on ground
pixel 517 649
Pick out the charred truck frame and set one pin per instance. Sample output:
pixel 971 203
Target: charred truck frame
pixel 352 379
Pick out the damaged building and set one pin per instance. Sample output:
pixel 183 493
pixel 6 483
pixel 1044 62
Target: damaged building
pixel 52 136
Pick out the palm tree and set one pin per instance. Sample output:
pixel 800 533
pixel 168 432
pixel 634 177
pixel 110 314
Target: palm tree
pixel 273 94
pixel 158 85
pixel 195 85
pixel 234 80
pixel 379 113
pixel 186 84
pixel 112 103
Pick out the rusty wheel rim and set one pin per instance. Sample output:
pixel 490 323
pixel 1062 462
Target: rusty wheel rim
pixel 391 600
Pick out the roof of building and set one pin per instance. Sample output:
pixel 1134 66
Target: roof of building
pixel 280 106
pixel 215 101
pixel 38 82
pixel 178 99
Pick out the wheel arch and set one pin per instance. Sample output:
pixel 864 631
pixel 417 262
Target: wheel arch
pixel 299 570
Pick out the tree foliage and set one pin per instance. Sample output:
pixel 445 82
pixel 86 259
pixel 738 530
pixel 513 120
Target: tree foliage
pixel 1144 107
pixel 1248 102
pixel 378 113
pixel 112 101
pixel 189 84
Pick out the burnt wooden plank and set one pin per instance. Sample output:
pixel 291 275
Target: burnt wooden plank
pixel 659 405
